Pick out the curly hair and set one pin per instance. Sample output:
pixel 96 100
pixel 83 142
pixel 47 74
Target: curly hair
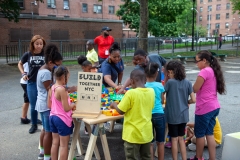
pixel 177 68
pixel 214 64
pixel 114 47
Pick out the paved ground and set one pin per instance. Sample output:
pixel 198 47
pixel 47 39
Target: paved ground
pixel 18 144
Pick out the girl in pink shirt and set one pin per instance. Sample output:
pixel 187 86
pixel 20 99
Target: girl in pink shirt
pixel 210 80
pixel 61 124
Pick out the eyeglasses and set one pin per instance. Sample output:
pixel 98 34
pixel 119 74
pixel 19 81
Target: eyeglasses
pixel 198 61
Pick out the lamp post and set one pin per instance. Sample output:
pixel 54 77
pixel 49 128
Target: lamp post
pixel 193 26
pixel 197 21
pixel 209 27
pixel 35 4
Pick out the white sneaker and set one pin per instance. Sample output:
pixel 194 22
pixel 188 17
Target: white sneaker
pixel 192 147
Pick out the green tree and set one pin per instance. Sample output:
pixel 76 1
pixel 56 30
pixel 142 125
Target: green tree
pixel 10 9
pixel 162 15
pixel 236 6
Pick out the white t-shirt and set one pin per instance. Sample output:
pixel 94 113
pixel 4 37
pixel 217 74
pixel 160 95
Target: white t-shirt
pixel 25 69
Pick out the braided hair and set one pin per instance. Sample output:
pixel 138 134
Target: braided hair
pixel 151 69
pixel 82 61
pixel 52 54
pixel 61 70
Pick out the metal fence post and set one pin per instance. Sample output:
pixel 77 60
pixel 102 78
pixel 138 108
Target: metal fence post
pixel 237 48
pixel 61 48
pixel 6 53
pixel 19 48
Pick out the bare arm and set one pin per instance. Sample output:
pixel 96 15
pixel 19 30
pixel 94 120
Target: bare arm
pixel 192 98
pixel 198 84
pixel 49 101
pixel 114 106
pixel 108 80
pixel 20 67
pixel 47 84
pixel 64 99
pixel 120 75
pixel 162 97
pixel 127 83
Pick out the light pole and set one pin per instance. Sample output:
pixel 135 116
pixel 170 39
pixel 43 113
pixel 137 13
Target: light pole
pixel 197 21
pixel 209 27
pixel 35 4
pixel 193 26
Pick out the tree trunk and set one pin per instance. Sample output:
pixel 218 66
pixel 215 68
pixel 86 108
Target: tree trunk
pixel 143 28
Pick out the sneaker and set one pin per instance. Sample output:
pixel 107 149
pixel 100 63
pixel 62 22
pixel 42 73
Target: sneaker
pixel 168 145
pixel 25 120
pixel 192 147
pixel 33 129
pixel 39 122
pixel 195 158
pixel 41 156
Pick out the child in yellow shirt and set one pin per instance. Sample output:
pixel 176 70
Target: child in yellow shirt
pixel 137 105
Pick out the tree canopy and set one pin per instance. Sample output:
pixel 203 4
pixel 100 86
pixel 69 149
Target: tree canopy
pixel 162 15
pixel 10 9
pixel 236 6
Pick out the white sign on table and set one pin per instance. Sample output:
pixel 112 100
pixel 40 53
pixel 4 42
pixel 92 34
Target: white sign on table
pixel 89 91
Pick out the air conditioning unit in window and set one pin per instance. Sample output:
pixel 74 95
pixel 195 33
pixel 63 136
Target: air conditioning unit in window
pixel 66 8
pixel 53 6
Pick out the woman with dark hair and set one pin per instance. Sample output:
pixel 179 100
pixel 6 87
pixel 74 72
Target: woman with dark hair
pixel 141 59
pixel 44 81
pixel 35 59
pixel 210 81
pixel 112 68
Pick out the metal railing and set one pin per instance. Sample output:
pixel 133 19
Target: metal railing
pixel 71 49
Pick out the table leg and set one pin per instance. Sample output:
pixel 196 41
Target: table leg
pixel 96 152
pixel 74 139
pixel 104 142
pixel 112 123
pixel 92 142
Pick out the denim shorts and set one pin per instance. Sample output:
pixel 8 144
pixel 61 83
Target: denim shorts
pixel 58 126
pixel 158 122
pixel 205 123
pixel 45 120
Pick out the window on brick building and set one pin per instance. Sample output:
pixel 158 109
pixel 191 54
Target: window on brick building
pixel 85 7
pixel 200 18
pixel 17 34
pixel 201 1
pixel 227 15
pixel 59 34
pixel 217 16
pixel 209 0
pixel 209 8
pixel 227 25
pixel 201 9
pixel 228 6
pixel 111 9
pixel 51 4
pixel 209 17
pixel 217 25
pixel 66 4
pixel 218 7
pixel 97 8
pixel 20 3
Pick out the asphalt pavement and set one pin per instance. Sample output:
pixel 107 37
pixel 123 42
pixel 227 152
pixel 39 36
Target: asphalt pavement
pixel 18 144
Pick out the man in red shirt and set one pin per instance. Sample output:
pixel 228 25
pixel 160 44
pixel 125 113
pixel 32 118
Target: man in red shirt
pixel 104 42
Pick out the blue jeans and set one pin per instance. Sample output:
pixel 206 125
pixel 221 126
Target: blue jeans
pixel 158 122
pixel 32 96
pixel 45 120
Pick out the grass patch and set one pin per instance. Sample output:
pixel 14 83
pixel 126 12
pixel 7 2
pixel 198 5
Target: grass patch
pixel 70 62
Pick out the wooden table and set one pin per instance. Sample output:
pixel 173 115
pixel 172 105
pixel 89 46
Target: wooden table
pixel 97 128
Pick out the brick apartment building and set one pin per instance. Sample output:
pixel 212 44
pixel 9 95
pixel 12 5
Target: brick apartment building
pixel 217 16
pixel 62 20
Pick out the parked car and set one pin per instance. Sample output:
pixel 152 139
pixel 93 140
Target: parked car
pixel 205 40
